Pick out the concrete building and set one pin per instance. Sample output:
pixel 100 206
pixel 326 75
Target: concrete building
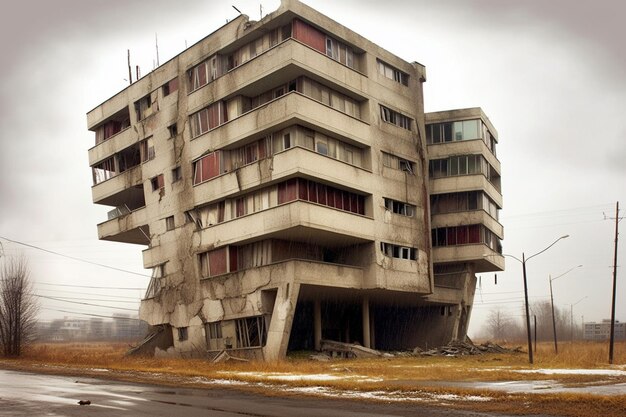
pixel 602 330
pixel 281 175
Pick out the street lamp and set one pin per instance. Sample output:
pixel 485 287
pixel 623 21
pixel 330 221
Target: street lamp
pixel 523 262
pixel 556 347
pixel 571 319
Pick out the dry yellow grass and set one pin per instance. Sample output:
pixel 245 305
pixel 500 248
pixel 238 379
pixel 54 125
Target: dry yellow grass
pixel 400 374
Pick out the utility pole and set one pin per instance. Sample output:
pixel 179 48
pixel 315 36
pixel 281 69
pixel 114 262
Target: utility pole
pixel 612 339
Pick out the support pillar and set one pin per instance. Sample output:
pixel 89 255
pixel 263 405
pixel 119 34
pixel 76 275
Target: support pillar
pixel 366 322
pixel 317 324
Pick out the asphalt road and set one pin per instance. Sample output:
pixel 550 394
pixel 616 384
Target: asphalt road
pixel 32 395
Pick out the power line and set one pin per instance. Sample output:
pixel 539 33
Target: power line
pixel 86 293
pixel 88 286
pixel 91 314
pixel 74 258
pixel 86 304
pixel 85 299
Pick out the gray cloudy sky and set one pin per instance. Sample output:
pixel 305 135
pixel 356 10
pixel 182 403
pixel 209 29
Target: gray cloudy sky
pixel 551 75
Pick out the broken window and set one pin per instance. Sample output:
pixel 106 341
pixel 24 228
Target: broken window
pixel 394 117
pixel 465 235
pixel 397 251
pixel 145 106
pixel 104 170
pixel 399 207
pixel 392 73
pixel 170 87
pixel 154 287
pixel 183 334
pixel 146 149
pixel 177 174
pixel 208 118
pixel 207 167
pixel 396 162
pixel 173 130
pixel 157 182
pixel 251 332
pixel 169 223
pixel 205 72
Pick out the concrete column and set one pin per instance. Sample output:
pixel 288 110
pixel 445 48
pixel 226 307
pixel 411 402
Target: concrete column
pixel 372 330
pixel 366 322
pixel 317 324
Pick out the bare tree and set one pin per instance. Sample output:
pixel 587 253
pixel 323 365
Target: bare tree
pixel 18 307
pixel 497 323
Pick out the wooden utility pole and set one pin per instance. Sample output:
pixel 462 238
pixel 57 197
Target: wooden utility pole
pixel 612 339
pixel 130 73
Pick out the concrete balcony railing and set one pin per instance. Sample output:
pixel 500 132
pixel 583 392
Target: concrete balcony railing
pixel 277 65
pixel 118 190
pixel 467 218
pixel 484 258
pixel 112 145
pixel 297 220
pixel 292 162
pixel 290 109
pixel 130 228
pixel 463 147
pixel 466 183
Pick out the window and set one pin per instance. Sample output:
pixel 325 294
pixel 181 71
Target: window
pixel 146 149
pixel 207 167
pixel 173 130
pixel 169 223
pixel 177 174
pixel 322 148
pixel 183 334
pixel 208 118
pixel 396 162
pixel 154 287
pixel 214 330
pixel 392 73
pixel 218 261
pixel 157 182
pixel 145 106
pixel 170 87
pixel 393 117
pixel 396 251
pixel 251 332
pixel 398 207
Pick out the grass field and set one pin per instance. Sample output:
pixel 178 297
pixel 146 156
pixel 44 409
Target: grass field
pixel 401 378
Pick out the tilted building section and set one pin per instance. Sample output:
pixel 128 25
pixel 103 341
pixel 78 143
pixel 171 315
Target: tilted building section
pixel 289 188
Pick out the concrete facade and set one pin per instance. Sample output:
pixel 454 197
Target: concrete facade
pixel 281 175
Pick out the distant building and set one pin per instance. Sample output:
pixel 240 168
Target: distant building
pixel 602 330
pixel 121 327
pixel 289 187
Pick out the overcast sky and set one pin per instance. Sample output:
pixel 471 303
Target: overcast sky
pixel 550 74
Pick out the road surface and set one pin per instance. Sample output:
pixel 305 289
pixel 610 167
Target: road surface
pixel 31 395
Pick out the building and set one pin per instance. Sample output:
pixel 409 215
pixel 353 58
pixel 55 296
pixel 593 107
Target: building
pixel 281 175
pixel 602 330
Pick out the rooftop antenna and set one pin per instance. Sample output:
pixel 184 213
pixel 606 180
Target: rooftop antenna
pixel 130 72
pixel 238 11
pixel 260 11
pixel 156 43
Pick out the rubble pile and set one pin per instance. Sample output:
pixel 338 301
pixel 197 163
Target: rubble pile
pixel 461 348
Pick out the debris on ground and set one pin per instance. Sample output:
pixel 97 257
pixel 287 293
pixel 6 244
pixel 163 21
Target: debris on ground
pixel 461 348
pixel 224 356
pixel 348 350
pixel 83 402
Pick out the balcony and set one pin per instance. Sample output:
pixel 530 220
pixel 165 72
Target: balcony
pixel 466 183
pixel 297 221
pixel 467 218
pixel 129 228
pixel 283 165
pixel 463 147
pixel 277 65
pixel 289 109
pixel 484 258
pixel 112 145
pixel 123 189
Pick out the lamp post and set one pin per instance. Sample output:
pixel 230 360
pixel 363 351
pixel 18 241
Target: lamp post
pixel 556 347
pixel 523 262
pixel 571 319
